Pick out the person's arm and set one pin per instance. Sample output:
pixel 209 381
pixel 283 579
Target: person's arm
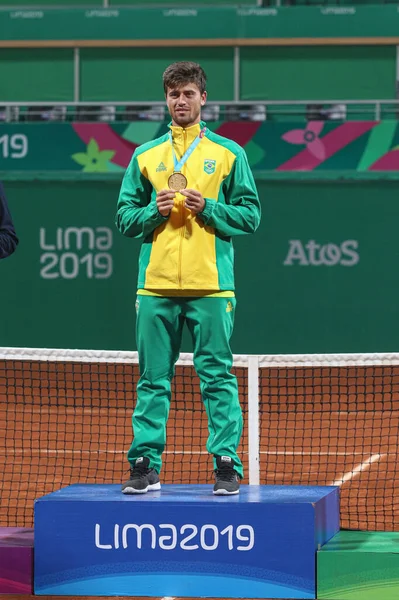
pixel 241 212
pixel 8 237
pixel 137 216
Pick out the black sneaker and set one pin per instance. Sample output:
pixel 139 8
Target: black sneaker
pixel 227 479
pixel 142 478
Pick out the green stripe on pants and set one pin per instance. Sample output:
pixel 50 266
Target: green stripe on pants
pixel 159 331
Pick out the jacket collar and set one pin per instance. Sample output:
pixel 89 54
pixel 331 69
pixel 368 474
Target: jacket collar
pixel 187 133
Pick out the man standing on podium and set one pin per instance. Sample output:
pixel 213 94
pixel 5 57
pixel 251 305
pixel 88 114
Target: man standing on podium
pixel 186 194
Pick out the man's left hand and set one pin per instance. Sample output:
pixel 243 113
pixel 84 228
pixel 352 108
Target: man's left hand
pixel 194 200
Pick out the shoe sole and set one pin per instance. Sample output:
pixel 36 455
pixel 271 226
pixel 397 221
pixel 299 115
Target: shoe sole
pixel 225 493
pixel 150 488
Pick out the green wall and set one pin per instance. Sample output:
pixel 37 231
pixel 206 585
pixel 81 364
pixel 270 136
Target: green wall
pixel 177 2
pixel 267 73
pixel 55 310
pixel 36 75
pixel 323 72
pixel 100 3
pixel 136 73
pixel 320 275
pixel 201 21
pixel 58 3
pixel 330 305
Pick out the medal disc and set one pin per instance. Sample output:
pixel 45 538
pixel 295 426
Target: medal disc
pixel 177 182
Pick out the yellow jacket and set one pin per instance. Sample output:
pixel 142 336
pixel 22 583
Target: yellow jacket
pixel 184 251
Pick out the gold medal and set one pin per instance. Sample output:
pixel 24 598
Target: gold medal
pixel 177 182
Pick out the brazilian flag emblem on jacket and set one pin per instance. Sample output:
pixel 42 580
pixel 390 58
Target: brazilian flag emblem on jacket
pixel 209 166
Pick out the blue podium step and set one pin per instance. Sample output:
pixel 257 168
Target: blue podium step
pixel 182 541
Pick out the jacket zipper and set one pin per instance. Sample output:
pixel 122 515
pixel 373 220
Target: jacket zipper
pixel 183 228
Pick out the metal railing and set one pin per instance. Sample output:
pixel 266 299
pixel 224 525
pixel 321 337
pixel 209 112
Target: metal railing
pixel 244 110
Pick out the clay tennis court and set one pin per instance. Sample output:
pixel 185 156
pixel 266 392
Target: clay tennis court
pixel 70 422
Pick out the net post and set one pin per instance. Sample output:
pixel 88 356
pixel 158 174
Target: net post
pixel 253 420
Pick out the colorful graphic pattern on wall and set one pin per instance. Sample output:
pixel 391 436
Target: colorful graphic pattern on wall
pixel 282 147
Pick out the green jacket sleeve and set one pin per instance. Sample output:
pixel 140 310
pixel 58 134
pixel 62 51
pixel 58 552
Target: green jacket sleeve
pixel 136 215
pixel 240 212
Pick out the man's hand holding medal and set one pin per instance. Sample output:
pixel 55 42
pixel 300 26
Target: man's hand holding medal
pixel 194 201
pixel 177 182
pixel 165 202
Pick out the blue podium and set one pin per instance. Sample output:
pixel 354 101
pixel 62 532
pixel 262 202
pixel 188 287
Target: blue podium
pixel 182 541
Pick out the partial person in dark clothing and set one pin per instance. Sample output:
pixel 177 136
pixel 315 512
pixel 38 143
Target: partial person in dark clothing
pixel 8 237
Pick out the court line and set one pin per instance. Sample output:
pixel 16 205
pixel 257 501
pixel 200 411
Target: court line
pixel 39 409
pixel 311 453
pixel 353 472
pixel 17 451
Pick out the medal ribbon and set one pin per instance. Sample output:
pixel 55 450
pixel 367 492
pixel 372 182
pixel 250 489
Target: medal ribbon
pixel 179 163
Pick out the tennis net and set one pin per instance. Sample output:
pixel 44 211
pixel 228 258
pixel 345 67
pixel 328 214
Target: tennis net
pixel 65 417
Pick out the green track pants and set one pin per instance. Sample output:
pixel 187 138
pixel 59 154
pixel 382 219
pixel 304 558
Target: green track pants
pixel 159 329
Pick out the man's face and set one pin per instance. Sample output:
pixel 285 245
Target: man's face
pixel 184 104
